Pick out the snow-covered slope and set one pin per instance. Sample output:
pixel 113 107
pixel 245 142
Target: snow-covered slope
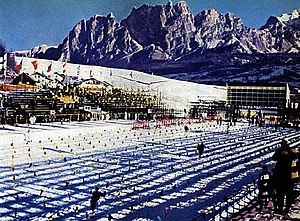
pixel 176 94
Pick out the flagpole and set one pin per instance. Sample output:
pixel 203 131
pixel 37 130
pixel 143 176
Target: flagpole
pixel 3 66
pixel 2 62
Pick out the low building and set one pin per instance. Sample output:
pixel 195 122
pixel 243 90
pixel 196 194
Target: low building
pixel 207 107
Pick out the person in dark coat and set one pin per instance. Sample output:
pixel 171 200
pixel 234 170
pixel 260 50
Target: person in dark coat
pixel 186 128
pixel 95 197
pixel 200 148
pixel 264 187
pixel 283 183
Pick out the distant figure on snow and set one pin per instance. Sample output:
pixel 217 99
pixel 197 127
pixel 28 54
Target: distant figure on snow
pixel 27 134
pixel 186 128
pixel 95 197
pixel 200 148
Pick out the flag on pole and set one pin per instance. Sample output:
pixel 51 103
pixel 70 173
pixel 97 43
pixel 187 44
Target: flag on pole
pixel 78 70
pixel 19 66
pixel 35 64
pixel 49 68
pixel 64 67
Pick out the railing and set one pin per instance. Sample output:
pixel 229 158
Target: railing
pixel 141 125
pixel 230 205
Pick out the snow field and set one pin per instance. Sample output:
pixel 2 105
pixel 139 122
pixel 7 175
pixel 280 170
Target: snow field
pixel 143 171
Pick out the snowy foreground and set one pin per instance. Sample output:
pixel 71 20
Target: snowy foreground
pixel 152 174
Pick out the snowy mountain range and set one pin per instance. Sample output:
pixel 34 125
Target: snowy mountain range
pixel 169 40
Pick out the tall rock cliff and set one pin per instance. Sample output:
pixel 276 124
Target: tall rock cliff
pixel 96 41
pixel 169 28
pixel 284 31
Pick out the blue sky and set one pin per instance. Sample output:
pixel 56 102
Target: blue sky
pixel 28 23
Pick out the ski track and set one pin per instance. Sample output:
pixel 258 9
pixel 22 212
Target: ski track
pixel 143 171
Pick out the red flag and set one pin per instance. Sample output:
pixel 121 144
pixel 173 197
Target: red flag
pixel 49 68
pixel 19 66
pixel 35 64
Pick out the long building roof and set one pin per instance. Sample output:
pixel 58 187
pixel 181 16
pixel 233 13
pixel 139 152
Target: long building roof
pixel 257 84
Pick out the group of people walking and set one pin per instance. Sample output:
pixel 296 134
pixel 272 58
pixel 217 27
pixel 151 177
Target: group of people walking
pixel 278 186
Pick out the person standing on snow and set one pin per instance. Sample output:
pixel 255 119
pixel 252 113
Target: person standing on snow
pixel 95 197
pixel 200 148
pixel 282 177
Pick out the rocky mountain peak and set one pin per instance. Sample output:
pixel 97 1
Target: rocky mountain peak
pixel 169 27
pixel 110 16
pixel 271 21
pixel 292 19
pixel 206 18
pixel 216 30
pixel 284 32
pixel 100 37
pixel 170 34
pixel 182 8
pixel 210 18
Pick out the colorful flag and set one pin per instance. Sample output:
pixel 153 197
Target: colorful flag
pixel 19 66
pixel 49 68
pixel 35 64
